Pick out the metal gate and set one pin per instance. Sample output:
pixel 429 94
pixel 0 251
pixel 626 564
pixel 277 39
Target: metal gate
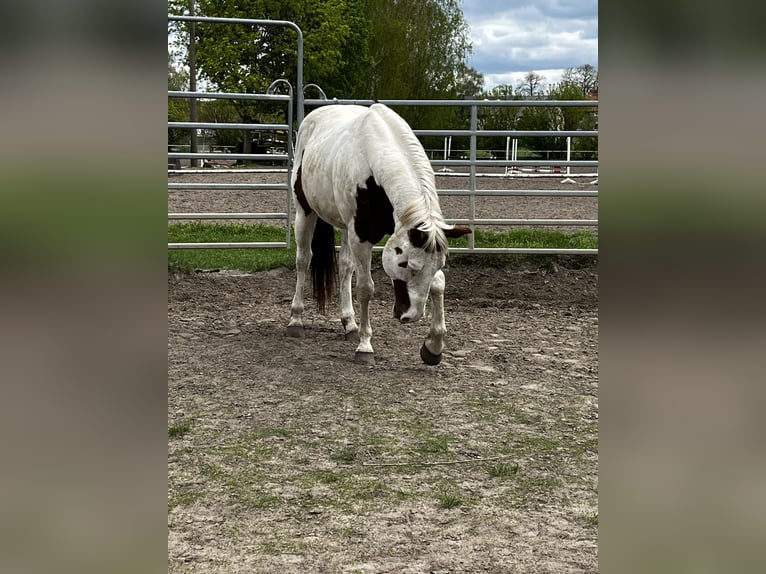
pixel 280 158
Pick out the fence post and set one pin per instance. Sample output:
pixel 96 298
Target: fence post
pixel 568 179
pixel 472 173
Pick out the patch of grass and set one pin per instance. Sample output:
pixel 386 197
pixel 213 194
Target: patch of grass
pixel 490 409
pixel 277 546
pixel 309 479
pixel 267 432
pixel 184 498
pixel 528 238
pixel 257 500
pixel 244 451
pixel 366 489
pixel 179 429
pixel 539 444
pixel 503 469
pixel 345 455
pixel 448 497
pixel 433 445
pixel 264 259
pixel 212 471
pixel 242 259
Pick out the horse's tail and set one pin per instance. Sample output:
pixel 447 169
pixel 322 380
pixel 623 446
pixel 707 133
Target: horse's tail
pixel 324 267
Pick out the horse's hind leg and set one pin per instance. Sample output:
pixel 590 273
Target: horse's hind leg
pixel 365 289
pixel 304 229
pixel 431 351
pixel 346 271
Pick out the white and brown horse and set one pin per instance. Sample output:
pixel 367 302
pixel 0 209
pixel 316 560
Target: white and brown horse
pixel 364 171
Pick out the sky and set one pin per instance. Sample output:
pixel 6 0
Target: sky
pixel 513 37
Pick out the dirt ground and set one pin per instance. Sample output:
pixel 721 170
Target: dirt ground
pixel 285 456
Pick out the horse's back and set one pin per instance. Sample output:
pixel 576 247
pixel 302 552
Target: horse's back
pixel 332 156
pixel 340 147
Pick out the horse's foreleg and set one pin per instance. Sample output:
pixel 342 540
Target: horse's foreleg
pixel 365 289
pixel 346 271
pixel 431 351
pixel 304 228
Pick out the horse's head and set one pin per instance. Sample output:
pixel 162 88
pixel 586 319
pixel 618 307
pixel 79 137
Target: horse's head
pixel 411 263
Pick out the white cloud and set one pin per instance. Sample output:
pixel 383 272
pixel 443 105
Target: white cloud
pixel 513 37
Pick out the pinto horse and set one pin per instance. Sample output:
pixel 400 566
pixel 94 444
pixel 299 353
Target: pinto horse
pixel 364 171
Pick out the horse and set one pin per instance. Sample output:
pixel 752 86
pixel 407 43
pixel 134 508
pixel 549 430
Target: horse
pixel 362 170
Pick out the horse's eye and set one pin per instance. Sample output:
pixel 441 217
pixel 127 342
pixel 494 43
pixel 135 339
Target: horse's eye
pixel 398 250
pixel 403 265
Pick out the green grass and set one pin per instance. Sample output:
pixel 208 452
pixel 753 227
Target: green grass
pixel 270 258
pixel 528 238
pixel 448 497
pixel 185 498
pixel 180 428
pixel 502 469
pixel 242 259
pixel 345 455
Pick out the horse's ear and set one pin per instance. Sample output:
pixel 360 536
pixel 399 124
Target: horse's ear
pixel 457 231
pixel 417 237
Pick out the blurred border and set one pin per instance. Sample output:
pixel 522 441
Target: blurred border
pixel 83 290
pixel 681 278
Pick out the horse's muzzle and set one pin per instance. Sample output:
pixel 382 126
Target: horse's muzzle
pixel 401 299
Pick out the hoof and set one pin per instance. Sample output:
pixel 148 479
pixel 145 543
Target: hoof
pixel 363 358
pixel 428 357
pixel 295 331
pixel 353 336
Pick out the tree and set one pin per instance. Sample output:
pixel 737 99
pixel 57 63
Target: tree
pixel 567 118
pixel 470 83
pixel 418 49
pixel 364 49
pixel 585 77
pixel 575 118
pixel 248 58
pixel 178 108
pixel 498 118
pixel 531 85
pixel 534 118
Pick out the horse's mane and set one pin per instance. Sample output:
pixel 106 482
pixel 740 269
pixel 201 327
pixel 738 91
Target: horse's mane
pixel 421 211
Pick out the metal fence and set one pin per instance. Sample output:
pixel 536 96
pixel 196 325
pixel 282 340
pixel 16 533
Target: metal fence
pixel 476 167
pixel 285 158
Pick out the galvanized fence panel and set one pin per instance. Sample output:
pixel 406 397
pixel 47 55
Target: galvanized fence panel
pixel 284 158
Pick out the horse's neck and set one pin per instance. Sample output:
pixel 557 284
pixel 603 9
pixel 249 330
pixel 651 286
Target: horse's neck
pixel 406 185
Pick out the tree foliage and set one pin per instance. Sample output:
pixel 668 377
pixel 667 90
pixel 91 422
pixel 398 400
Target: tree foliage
pixel 585 77
pixel 178 108
pixel 532 85
pixel 418 49
pixel 364 49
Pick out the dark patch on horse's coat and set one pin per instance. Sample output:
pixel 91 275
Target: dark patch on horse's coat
pixel 401 298
pixel 374 213
pixel 298 190
pixel 417 237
